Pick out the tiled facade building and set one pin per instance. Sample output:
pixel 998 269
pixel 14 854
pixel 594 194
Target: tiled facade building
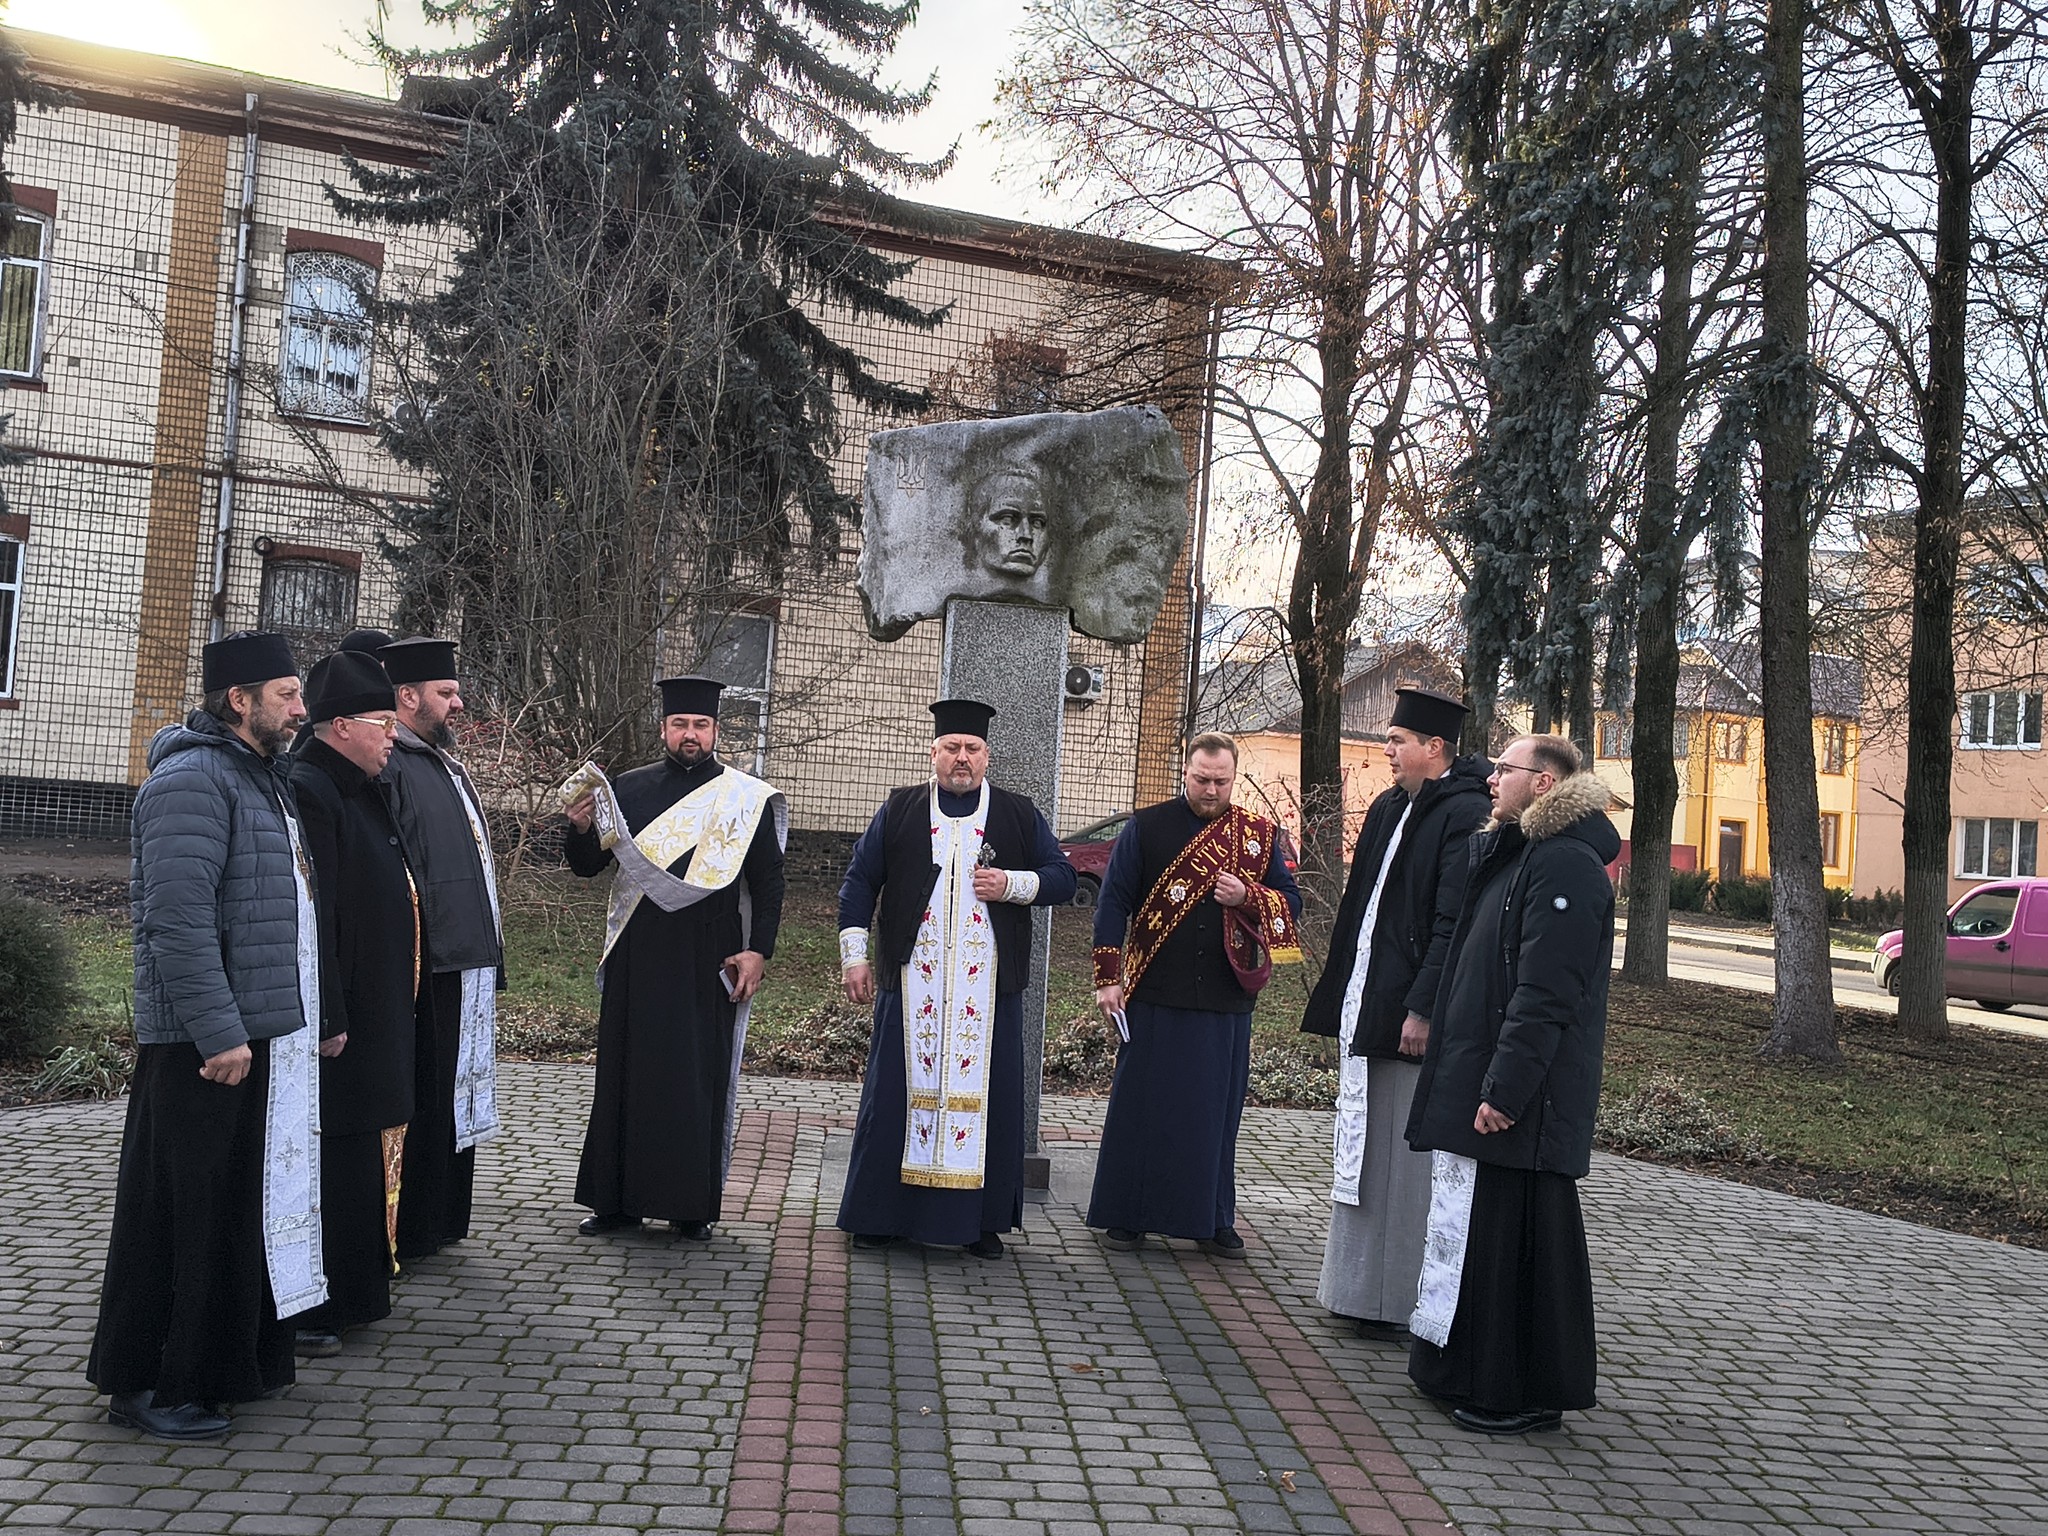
pixel 154 503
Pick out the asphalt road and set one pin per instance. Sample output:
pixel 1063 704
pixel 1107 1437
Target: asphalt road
pixel 1729 968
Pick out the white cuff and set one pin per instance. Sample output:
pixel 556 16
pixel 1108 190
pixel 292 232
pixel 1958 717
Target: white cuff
pixel 1022 887
pixel 853 947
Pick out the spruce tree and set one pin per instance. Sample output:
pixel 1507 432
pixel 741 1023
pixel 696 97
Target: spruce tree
pixel 625 395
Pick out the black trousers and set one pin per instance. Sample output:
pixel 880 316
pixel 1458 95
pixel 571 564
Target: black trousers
pixel 186 1309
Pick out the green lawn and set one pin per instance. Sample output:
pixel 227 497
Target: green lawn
pixel 1949 1135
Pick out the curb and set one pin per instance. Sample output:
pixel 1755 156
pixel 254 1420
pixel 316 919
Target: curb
pixel 1698 938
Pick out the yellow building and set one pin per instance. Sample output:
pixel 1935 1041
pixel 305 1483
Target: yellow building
pixel 1720 823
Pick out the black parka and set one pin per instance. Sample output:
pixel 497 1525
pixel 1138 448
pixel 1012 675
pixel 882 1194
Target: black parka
pixel 1521 1020
pixel 366 940
pixel 1418 909
pixel 461 931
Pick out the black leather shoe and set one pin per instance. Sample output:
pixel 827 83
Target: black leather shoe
pixel 695 1231
pixel 1122 1239
pixel 1226 1244
pixel 1480 1422
pixel 1384 1332
pixel 873 1239
pixel 597 1226
pixel 317 1343
pixel 987 1246
pixel 181 1421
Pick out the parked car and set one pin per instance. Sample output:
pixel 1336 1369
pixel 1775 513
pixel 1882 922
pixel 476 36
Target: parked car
pixel 1997 946
pixel 1088 851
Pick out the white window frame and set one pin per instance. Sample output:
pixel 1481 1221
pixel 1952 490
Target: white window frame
pixel 1972 714
pixel 2024 839
pixel 40 264
pixel 12 641
pixel 321 400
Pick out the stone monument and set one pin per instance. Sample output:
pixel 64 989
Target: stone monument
pixel 1009 530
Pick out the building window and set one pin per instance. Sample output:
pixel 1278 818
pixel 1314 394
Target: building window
pixel 1831 839
pixel 23 261
pixel 2008 721
pixel 309 599
pixel 1616 736
pixel 325 370
pixel 12 551
pixel 739 650
pixel 1991 848
pixel 1731 741
pixel 1834 747
pixel 1024 376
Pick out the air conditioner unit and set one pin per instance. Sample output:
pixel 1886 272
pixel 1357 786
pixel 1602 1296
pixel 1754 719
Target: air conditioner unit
pixel 1084 685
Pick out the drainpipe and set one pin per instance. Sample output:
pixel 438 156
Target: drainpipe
pixel 231 430
pixel 1199 597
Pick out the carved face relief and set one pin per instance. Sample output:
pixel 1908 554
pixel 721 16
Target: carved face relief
pixel 1010 524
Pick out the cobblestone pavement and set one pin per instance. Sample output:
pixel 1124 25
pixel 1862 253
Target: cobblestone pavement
pixel 1768 1365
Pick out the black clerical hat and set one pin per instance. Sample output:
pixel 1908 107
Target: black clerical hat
pixel 690 696
pixel 346 683
pixel 422 659
pixel 368 641
pixel 1428 714
pixel 245 659
pixel 961 717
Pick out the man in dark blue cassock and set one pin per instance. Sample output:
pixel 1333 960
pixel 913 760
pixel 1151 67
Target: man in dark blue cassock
pixel 1191 880
pixel 944 874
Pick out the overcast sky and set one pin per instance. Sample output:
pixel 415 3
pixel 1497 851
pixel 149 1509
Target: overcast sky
pixel 965 41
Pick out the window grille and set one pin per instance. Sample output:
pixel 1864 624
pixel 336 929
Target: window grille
pixel 22 265
pixel 325 370
pixel 310 602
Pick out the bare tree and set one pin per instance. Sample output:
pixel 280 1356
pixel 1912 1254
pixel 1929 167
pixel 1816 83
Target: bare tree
pixel 1293 137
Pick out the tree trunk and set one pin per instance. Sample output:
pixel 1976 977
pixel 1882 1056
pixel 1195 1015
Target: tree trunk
pixel 1803 1011
pixel 1660 561
pixel 1937 543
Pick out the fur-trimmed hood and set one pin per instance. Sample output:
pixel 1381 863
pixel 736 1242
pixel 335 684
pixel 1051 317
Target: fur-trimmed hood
pixel 1569 800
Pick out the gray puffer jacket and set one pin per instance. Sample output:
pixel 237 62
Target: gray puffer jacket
pixel 215 900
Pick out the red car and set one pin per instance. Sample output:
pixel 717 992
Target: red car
pixel 1088 851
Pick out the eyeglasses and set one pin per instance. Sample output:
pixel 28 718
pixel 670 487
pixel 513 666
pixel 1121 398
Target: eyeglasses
pixel 386 723
pixel 1500 768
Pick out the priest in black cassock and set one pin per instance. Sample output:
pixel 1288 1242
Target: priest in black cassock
pixel 369 984
pixel 694 912
pixel 938 1149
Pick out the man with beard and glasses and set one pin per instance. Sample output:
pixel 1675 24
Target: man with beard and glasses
pixel 216 1231
pixel 694 911
pixel 447 844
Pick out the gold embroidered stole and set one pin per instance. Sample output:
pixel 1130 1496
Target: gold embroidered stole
pixel 1237 843
pixel 716 821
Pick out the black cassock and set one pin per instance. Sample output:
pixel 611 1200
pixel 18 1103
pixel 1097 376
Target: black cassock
pixel 657 1138
pixel 368 990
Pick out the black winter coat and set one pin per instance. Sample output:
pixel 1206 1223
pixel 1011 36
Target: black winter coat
pixel 1411 933
pixel 366 941
pixel 1521 1021
pixel 455 906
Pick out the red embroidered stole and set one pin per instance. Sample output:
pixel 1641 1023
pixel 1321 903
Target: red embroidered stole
pixel 1238 843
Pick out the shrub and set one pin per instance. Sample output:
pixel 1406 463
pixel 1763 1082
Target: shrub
pixel 1080 1055
pixel 830 1041
pixel 39 987
pixel 1285 1073
pixel 1690 889
pixel 98 1069
pixel 1664 1118
pixel 1745 898
pixel 1877 911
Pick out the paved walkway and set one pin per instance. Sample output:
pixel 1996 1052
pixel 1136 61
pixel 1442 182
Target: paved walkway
pixel 1767 1365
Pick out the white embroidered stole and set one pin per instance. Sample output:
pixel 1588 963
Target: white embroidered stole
pixel 715 823
pixel 291 1124
pixel 1451 1181
pixel 1353 1072
pixel 949 988
pixel 476 1053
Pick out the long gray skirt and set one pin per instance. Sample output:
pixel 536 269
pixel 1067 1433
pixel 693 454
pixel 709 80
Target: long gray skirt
pixel 1373 1259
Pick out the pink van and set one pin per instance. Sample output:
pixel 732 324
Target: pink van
pixel 1997 946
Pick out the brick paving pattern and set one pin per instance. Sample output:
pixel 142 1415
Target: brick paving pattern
pixel 1768 1365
